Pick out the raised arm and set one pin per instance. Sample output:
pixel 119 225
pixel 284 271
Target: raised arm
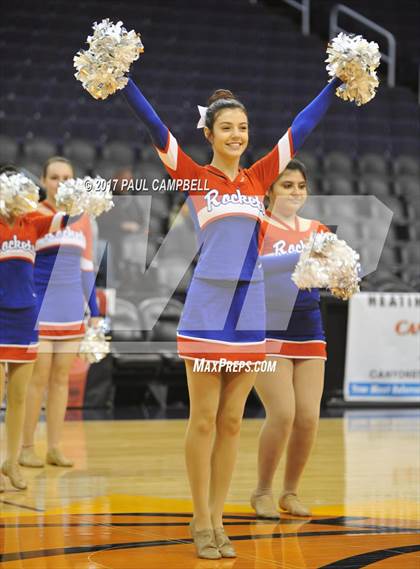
pixel 312 114
pixel 146 113
pixel 272 164
pixel 176 162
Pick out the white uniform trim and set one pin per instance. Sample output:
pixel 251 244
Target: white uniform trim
pixel 56 221
pixel 17 254
pixel 204 216
pixel 170 157
pixel 220 341
pixel 86 264
pixel 285 152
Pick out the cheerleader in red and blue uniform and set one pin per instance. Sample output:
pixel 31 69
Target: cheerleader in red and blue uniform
pixel 224 312
pixel 291 395
pixel 18 314
pixel 64 277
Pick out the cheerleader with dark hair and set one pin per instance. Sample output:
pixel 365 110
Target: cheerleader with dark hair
pixel 291 395
pixel 224 313
pixel 223 321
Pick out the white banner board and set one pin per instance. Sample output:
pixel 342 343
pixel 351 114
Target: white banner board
pixel 383 347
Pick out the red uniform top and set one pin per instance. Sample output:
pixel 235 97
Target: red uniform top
pixel 17 256
pixel 227 213
pixel 279 238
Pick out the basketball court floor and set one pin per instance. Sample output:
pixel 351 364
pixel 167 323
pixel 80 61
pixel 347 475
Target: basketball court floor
pixel 126 503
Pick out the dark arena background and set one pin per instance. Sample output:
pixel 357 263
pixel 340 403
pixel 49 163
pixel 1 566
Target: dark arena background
pixel 126 502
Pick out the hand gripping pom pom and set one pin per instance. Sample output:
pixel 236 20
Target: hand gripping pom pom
pixel 84 195
pixel 18 195
pixel 94 347
pixel 328 262
pixel 71 196
pixel 103 67
pixel 354 60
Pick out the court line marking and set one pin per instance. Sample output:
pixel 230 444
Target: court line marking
pixel 24 555
pixel 22 506
pixel 371 557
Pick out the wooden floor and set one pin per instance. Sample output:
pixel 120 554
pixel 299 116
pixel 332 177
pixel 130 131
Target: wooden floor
pixel 126 504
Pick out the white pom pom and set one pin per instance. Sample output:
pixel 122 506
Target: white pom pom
pixel 99 198
pixel 94 347
pixel 71 196
pixel 18 195
pixel 354 60
pixel 102 68
pixel 328 262
pixel 84 195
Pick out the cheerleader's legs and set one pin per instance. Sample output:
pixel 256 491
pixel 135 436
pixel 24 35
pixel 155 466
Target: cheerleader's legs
pixel 275 389
pixel 235 389
pixel 2 381
pixel 65 352
pixel 212 438
pixel 308 383
pixel 204 394
pixel 36 391
pixel 19 376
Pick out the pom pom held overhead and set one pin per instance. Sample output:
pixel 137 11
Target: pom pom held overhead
pixel 103 67
pixel 354 60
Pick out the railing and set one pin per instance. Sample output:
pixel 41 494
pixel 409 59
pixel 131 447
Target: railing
pixel 389 57
pixel 303 6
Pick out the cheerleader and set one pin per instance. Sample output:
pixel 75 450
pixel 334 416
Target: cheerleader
pixel 63 278
pixel 18 313
pixel 224 312
pixel 291 395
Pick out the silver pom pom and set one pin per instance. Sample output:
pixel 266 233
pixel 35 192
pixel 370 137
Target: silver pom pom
pixel 84 195
pixel 71 196
pixel 99 197
pixel 328 262
pixel 354 60
pixel 18 195
pixel 103 67
pixel 95 346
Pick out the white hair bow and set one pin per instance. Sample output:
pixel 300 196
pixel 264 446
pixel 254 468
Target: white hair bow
pixel 202 122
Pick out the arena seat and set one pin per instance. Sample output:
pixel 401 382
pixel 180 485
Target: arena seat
pixel 338 184
pixel 118 152
pixel 373 185
pixel 310 161
pixel 338 162
pixel 31 166
pixel 125 324
pixel 39 149
pixel 408 188
pixel 171 271
pixel 9 149
pixel 81 152
pixel 407 165
pixel 373 164
pixel 105 169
